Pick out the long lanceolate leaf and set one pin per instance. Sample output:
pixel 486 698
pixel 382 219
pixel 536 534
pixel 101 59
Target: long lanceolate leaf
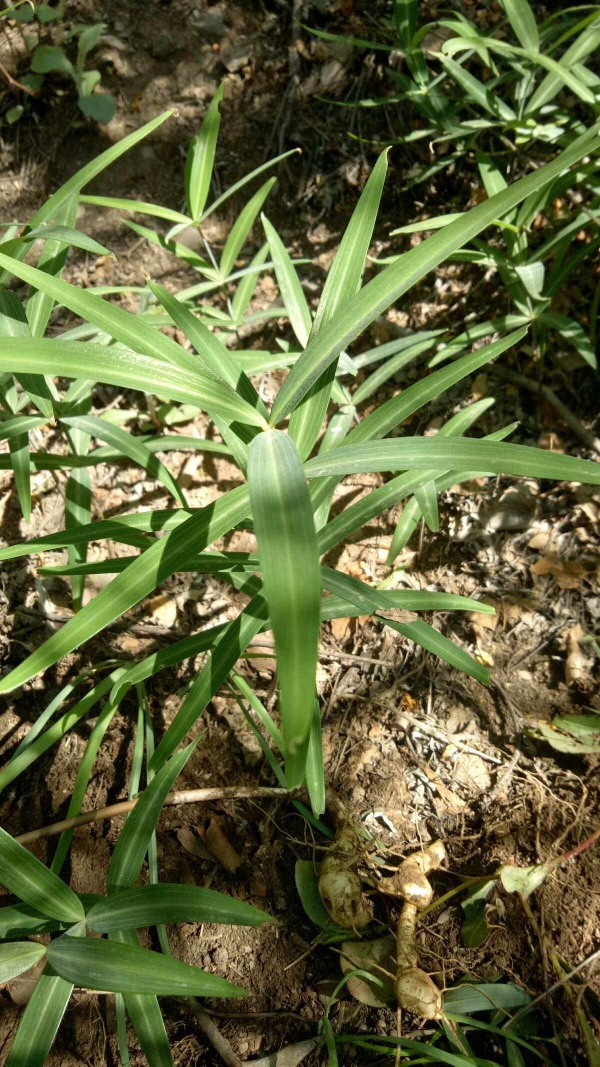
pixel 120 968
pixel 381 292
pixel 40 1021
pixel 82 177
pixel 151 904
pixel 410 453
pixel 342 284
pixel 118 366
pixel 130 330
pixel 128 856
pixel 129 446
pixel 289 560
pixel 141 578
pixel 200 159
pixel 32 882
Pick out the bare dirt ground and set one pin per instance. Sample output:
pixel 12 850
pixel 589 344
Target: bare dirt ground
pixel 416 750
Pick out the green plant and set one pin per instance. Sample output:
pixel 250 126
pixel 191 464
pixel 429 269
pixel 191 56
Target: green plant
pixel 74 407
pixel 119 965
pixel 52 58
pixel 285 496
pixel 502 89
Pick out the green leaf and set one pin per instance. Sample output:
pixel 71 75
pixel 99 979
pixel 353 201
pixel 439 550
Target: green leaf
pixel 522 20
pixel 142 577
pixel 129 852
pixel 241 228
pixel 20 424
pixel 29 880
pixel 583 46
pixel 426 498
pixel 315 769
pixel 86 174
pixel 213 353
pixel 485 996
pixel 97 106
pixel 119 366
pixel 47 58
pixel 308 891
pixel 411 511
pixel 82 779
pixel 405 17
pixel 571 332
pixel 66 235
pixel 40 1021
pixel 147 1021
pixel 26 756
pixel 117 203
pixel 289 560
pixel 164 903
pixel 474 929
pixel 342 284
pixel 373 601
pixel 21 920
pixel 18 957
pixel 382 291
pixel 129 446
pixel 232 641
pixel 294 300
pixel 200 159
pixel 411 453
pixel 94 964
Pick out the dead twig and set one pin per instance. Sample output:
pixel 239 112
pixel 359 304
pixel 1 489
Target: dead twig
pixel 214 1035
pixel 184 796
pixel 543 391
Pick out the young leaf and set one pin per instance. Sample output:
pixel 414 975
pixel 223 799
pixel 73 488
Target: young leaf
pixel 95 964
pixel 315 770
pixel 200 159
pixel 32 882
pixel 341 285
pixel 288 553
pixel 164 903
pixel 294 300
pixel 241 228
pixel 522 20
pixel 129 852
pixel 140 207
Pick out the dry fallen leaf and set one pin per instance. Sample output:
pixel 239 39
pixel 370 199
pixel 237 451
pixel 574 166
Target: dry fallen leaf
pixel 568 574
pixel 577 664
pixel 220 847
pixel 193 844
pixel 342 629
pixel 471 772
pixel 370 956
pixel 164 610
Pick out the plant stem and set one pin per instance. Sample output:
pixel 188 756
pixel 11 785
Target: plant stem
pixel 185 796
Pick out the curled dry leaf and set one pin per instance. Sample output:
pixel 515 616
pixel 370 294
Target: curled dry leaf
pixel 221 848
pixel 375 957
pixel 192 843
pixel 577 664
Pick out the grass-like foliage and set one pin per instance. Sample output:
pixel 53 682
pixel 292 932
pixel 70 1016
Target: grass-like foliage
pixel 291 458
